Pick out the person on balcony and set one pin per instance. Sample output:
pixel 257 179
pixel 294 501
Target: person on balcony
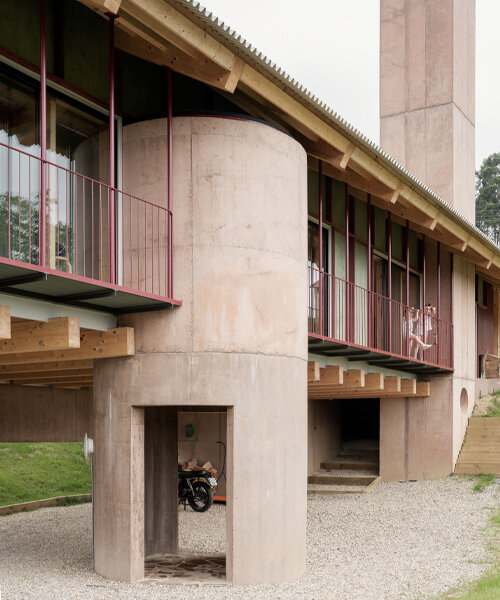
pixel 417 330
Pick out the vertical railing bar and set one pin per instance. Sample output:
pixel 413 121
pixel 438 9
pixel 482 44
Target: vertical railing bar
pixel 76 224
pixel 100 232
pixel 19 206
pixel 93 251
pixel 67 187
pixel 29 208
pixel 145 251
pixel 83 223
pixel 8 187
pixel 58 219
pixel 159 253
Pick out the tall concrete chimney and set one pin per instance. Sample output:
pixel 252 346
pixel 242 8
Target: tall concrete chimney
pixel 427 64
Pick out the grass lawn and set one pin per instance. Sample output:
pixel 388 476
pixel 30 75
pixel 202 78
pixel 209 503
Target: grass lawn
pixel 36 471
pixel 494 410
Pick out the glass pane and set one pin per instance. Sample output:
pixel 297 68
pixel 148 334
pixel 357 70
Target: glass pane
pixel 77 145
pixel 19 171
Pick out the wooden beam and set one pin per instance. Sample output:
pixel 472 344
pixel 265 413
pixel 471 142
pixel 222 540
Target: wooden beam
pixel 374 381
pixel 93 344
pixel 408 386
pixel 166 21
pixel 347 155
pixel 332 375
pixel 312 371
pixel 281 99
pixel 60 366
pixel 234 75
pixel 76 381
pixel 392 384
pixel 103 6
pixel 423 389
pixel 26 376
pixel 5 329
pixel 165 54
pixel 61 333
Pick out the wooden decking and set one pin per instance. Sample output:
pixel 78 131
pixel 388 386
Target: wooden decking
pixel 481 450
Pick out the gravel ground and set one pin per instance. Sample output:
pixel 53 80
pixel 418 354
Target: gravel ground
pixel 400 541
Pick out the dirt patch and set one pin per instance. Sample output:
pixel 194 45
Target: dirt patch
pixel 486 405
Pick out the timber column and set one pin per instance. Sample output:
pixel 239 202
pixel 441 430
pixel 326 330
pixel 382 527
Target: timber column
pixel 427 72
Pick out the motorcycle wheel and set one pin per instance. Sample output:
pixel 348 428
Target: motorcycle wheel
pixel 203 497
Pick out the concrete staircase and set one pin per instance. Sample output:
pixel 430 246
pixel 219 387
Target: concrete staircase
pixel 354 471
pixel 481 450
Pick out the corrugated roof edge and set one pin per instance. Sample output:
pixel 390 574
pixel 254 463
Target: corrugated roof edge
pixel 263 61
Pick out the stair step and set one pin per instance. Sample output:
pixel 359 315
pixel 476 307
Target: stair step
pixel 334 489
pixel 335 480
pixel 349 453
pixel 481 450
pixel 348 464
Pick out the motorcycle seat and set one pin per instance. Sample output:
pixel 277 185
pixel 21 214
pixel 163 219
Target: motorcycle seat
pixel 190 474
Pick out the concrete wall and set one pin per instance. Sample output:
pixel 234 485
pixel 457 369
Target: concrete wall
pixel 31 414
pixel 238 341
pixel 324 434
pixel 427 54
pixel 420 438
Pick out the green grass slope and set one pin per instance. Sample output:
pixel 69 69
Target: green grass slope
pixel 36 471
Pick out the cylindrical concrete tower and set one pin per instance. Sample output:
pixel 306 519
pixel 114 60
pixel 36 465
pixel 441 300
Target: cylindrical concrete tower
pixel 238 341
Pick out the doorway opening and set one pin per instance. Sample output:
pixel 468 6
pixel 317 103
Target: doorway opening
pixel 185 542
pixel 343 446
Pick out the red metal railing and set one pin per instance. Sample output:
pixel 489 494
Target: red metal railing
pixel 344 312
pixel 79 237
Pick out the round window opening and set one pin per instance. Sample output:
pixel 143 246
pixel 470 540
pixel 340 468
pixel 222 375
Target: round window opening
pixel 464 401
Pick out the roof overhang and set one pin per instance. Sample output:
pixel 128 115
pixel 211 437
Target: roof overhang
pixel 186 37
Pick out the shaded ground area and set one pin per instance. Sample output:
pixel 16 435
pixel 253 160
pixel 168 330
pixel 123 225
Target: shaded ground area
pixel 401 541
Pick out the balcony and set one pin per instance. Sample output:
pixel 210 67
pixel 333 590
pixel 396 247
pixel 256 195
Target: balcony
pixel 67 238
pixel 349 321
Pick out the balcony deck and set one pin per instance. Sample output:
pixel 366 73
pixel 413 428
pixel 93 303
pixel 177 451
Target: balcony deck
pixel 81 242
pixel 345 320
pixel 31 281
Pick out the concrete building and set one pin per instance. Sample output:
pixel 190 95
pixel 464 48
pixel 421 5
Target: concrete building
pixel 194 248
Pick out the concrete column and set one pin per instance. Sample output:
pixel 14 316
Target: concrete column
pixel 160 480
pixel 118 480
pixel 427 71
pixel 239 341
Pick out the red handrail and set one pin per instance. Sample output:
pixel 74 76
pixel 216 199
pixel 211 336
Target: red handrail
pixel 76 225
pixel 344 312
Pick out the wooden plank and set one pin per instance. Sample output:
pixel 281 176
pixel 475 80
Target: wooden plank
pixel 313 371
pixel 5 328
pixel 93 345
pixel 61 333
pixel 7 371
pixel 26 377
pixel 83 380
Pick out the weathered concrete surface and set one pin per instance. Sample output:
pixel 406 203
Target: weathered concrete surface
pixel 324 435
pixel 238 341
pixel 31 414
pixel 160 480
pixel 427 54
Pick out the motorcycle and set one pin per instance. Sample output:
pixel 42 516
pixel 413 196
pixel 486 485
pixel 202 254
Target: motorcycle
pixel 197 488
